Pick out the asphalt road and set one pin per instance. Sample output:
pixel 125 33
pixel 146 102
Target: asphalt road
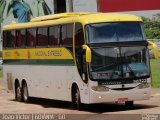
pixel 96 111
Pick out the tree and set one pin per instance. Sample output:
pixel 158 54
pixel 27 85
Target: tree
pixel 152 27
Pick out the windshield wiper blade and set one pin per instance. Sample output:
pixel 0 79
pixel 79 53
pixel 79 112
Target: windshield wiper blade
pixel 100 68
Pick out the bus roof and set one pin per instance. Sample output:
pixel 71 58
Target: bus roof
pixel 82 17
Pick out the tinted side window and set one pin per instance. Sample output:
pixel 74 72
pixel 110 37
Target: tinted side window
pixel 54 35
pixel 21 38
pixel 79 35
pixel 31 37
pixel 67 34
pixel 4 39
pixel 42 36
pixel 11 39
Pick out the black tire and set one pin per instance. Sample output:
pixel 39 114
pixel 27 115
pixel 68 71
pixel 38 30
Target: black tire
pixel 18 93
pixel 77 100
pixel 25 95
pixel 129 104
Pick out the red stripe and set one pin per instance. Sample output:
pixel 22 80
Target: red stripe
pixel 128 5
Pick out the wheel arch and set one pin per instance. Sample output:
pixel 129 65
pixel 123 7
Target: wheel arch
pixel 74 86
pixel 73 89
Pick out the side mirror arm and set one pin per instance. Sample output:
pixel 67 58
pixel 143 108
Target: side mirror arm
pixel 88 53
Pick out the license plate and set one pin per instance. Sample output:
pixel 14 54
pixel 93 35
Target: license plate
pixel 122 99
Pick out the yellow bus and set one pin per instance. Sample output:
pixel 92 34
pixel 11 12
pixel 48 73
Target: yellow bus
pixel 84 58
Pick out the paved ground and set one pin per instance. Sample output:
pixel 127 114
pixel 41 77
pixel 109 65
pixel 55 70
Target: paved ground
pixel 9 105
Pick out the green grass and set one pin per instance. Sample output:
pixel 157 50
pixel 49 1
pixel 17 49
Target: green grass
pixel 155 69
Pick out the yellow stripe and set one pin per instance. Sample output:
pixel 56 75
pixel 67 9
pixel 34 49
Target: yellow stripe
pixel 37 53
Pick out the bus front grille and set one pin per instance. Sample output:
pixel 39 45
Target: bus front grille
pixel 123 89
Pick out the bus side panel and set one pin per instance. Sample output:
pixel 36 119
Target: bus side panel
pixel 52 82
pixel 42 81
pixel 17 72
pixel 49 82
pixel 74 77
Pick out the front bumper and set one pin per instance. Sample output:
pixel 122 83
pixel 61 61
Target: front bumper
pixel 118 96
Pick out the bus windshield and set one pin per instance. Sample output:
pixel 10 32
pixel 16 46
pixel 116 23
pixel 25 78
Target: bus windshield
pixel 115 32
pixel 119 63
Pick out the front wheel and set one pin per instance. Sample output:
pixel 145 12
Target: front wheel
pixel 77 100
pixel 25 93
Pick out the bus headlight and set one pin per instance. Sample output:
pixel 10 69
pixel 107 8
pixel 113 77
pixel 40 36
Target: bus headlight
pixel 144 85
pixel 100 88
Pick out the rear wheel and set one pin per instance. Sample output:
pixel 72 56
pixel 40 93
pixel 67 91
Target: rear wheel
pixel 25 93
pixel 18 93
pixel 129 104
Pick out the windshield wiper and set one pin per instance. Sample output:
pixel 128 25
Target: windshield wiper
pixel 100 68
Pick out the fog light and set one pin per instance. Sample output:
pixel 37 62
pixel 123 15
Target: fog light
pixel 100 97
pixel 144 85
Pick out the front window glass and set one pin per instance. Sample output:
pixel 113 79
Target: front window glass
pixel 115 32
pixel 119 63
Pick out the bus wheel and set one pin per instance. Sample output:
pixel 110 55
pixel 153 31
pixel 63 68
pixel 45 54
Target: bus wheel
pixel 77 100
pixel 18 93
pixel 129 104
pixel 25 93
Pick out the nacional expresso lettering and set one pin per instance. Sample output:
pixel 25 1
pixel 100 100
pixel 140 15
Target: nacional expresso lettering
pixel 49 53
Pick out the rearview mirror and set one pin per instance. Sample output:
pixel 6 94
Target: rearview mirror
pixel 155 49
pixel 88 53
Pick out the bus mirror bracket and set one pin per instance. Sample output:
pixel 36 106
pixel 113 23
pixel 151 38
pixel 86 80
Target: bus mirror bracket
pixel 88 53
pixel 155 49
